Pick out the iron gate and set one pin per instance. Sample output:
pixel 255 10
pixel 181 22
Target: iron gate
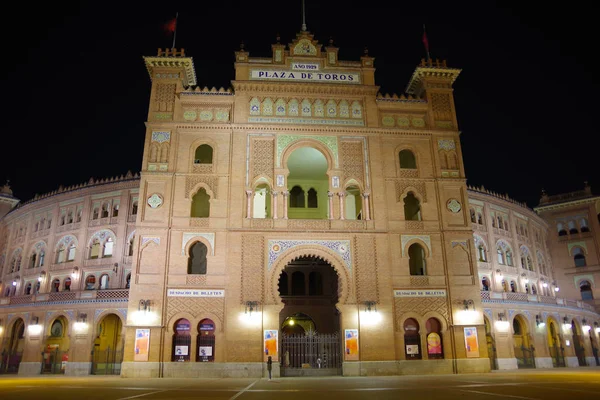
pixel 107 362
pixel 525 357
pixel 558 356
pixel 9 361
pixel 311 354
pixel 54 362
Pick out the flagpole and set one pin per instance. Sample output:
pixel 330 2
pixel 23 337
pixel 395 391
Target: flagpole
pixel 175 31
pixel 427 45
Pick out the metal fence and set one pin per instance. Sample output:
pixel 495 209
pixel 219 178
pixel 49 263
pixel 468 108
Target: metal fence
pixel 9 361
pixel 558 356
pixel 312 354
pixel 525 357
pixel 107 362
pixel 54 362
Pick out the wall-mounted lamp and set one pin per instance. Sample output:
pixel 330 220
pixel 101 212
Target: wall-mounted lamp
pixel 585 326
pixel 501 317
pixel 469 303
pixel 539 322
pixel 251 306
pixel 75 272
pixel 14 283
pixel 566 323
pixel 370 306
pixel 596 327
pixel 42 275
pixel 545 284
pixel 499 272
pixel 82 318
pixel 34 321
pixel 144 305
pixel 116 268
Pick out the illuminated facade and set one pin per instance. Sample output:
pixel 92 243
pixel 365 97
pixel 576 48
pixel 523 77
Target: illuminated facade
pixel 299 206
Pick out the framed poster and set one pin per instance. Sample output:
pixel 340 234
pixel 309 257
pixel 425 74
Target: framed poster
pixel 205 351
pixel 142 344
pixel 434 344
pixel 412 349
pixel 351 344
pixel 181 350
pixel 471 342
pixel 271 344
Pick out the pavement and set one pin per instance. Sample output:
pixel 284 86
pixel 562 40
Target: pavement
pixel 581 383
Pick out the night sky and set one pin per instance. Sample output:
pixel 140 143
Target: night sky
pixel 75 89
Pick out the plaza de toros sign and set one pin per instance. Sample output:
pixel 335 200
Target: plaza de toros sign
pixel 304 76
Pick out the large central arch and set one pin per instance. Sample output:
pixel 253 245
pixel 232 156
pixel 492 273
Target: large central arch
pixel 345 292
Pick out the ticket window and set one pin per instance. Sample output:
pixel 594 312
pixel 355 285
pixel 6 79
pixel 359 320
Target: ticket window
pixel 206 341
pixel 412 340
pixel 182 341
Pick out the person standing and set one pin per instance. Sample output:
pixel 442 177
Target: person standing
pixel 269 365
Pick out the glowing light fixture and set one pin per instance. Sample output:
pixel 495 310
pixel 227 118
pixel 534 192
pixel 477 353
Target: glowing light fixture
pixel 539 322
pixel 586 327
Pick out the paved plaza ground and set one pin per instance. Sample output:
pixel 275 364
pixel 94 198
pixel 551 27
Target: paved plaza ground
pixel 582 383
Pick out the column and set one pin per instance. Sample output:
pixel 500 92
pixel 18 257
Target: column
pixel 285 194
pixel 330 195
pixel 367 206
pixel 248 203
pixel 342 196
pixel 274 202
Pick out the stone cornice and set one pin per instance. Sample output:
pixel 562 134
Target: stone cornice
pixel 185 63
pixel 566 204
pixel 431 72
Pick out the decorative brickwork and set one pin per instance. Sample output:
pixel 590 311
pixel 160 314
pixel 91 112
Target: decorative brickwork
pixel 196 280
pixel 192 181
pixel 263 156
pixel 352 161
pixel 196 306
pixel 164 98
pixel 252 268
pixel 442 110
pixel 403 184
pixel 367 287
pixel 418 305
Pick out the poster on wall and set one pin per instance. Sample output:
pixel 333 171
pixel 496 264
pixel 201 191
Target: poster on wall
pixel 181 350
pixel 142 344
pixel 412 349
pixel 271 344
pixel 434 344
pixel 205 351
pixel 471 343
pixel 351 344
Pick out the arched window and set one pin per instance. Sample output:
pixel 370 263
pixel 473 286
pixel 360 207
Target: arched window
pixel 200 204
pixel 353 203
pixel 513 286
pixel 572 228
pixel 412 339
pixel 60 254
pixel 262 202
pixel 527 288
pixel 434 339
pixel 500 256
pixel 297 197
pixel 533 289
pixel 70 217
pixel 103 282
pixel 479 219
pixel 485 283
pixel 504 286
pixel 67 285
pixel 298 284
pixel 500 225
pixel 134 208
pixel 115 210
pixel 90 282
pixel 182 341
pixel 203 154
pixel 79 214
pixel 128 281
pixel 412 208
pixel 38 284
pixel 509 258
pixel 586 290
pixel 482 253
pixel 561 229
pixel 55 285
pixel 579 257
pixel 517 327
pixel 96 213
pixel 206 341
pixel 416 260
pixel 42 258
pixel 472 213
pixel 95 250
pixel 108 247
pixel 130 246
pixel 529 263
pixel 105 208
pixel 315 284
pixel 71 252
pixel 583 225
pixel 197 259
pixel 407 159
pixel 312 201
pixel 28 288
pixel 32 260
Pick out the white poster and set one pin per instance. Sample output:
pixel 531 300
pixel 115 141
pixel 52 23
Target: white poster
pixel 205 351
pixel 412 349
pixel 181 350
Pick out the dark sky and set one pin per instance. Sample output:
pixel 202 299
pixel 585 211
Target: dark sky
pixel 76 90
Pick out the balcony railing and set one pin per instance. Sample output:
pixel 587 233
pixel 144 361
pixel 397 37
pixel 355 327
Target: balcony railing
pixel 492 297
pixel 87 295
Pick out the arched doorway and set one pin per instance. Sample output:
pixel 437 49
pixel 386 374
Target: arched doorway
pixel 523 348
pixel 182 341
pixel 56 349
pixel 308 184
pixel 107 355
pixel 206 341
pixel 412 340
pixel 309 320
pixel 12 355
pixel 491 344
pixel 578 344
pixel 557 351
